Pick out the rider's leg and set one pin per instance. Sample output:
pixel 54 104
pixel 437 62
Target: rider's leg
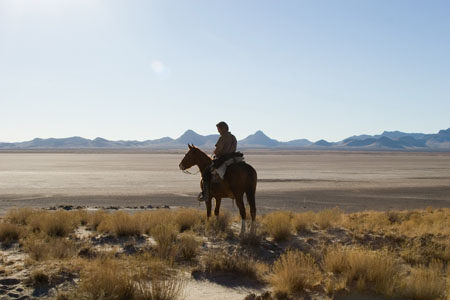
pixel 206 178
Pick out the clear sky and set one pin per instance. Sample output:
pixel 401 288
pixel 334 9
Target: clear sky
pixel 294 69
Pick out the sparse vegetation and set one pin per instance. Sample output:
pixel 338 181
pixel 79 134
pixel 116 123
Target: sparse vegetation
pixel 278 225
pixel 365 269
pixel 111 279
pixel 165 236
pixel 187 218
pixel 120 224
pixel 54 224
pixel 42 248
pixel 236 263
pixel 328 217
pixel 365 251
pixel 424 282
pixel 19 216
pixel 9 233
pixel 219 224
pixel 39 278
pixel 188 247
pixel 150 220
pixel 303 221
pixel 294 271
pixel 96 218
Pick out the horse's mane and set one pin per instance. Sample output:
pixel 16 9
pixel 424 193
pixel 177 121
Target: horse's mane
pixel 202 153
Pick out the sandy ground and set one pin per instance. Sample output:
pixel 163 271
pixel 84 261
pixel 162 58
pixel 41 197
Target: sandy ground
pixel 292 180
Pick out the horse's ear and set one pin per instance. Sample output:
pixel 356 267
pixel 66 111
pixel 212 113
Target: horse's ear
pixel 190 146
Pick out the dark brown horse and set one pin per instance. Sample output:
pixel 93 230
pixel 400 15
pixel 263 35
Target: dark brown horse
pixel 239 179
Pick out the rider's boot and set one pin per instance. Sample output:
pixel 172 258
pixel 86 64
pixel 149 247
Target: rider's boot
pixel 204 195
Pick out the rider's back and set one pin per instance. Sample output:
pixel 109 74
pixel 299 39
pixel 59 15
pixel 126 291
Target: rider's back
pixel 226 144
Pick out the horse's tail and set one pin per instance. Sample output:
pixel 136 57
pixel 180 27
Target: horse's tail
pixel 251 190
pixel 252 178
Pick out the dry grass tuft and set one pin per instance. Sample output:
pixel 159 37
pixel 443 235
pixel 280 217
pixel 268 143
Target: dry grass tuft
pixel 43 248
pixel 54 224
pixel 408 223
pixel 329 217
pixel 367 221
pixel 120 224
pixel 9 233
pixel 165 235
pixel 111 279
pixel 424 283
pixel 366 269
pixel 151 219
pixel 19 216
pixel 96 218
pixel 251 239
pixel 168 289
pixel 238 264
pixel 423 250
pixel 39 278
pixel 81 216
pixel 219 224
pixel 188 247
pixel 336 260
pixel 106 279
pixel 278 225
pixel 148 267
pixel 304 221
pixel 187 218
pixel 294 271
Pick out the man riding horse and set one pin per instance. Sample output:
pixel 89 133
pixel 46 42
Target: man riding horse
pixel 236 176
pixel 225 149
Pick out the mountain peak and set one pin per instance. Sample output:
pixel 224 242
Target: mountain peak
pixel 189 132
pixel 259 138
pixel 192 137
pixel 323 143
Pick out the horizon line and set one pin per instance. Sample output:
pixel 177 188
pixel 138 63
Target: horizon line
pixel 144 140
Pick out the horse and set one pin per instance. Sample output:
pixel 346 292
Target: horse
pixel 239 179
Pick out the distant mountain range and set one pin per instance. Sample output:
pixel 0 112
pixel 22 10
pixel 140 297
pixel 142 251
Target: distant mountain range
pixel 388 140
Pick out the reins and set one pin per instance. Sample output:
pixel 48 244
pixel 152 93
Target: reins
pixel 187 172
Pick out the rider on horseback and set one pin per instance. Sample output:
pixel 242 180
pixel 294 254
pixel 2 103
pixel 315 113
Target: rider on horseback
pixel 225 146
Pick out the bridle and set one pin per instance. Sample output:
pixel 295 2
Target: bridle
pixel 187 172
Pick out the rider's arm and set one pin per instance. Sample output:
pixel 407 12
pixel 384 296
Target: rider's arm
pixel 233 144
pixel 219 147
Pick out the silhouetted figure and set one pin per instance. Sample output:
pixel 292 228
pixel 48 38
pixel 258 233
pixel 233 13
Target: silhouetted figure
pixel 225 149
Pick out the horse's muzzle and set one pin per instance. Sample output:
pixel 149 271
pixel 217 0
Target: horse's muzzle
pixel 182 168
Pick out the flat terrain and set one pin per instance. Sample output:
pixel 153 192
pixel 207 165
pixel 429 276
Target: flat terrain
pixel 298 181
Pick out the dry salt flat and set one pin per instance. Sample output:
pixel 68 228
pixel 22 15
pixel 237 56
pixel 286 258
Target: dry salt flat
pixel 296 180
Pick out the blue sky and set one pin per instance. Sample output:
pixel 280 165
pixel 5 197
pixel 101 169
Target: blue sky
pixel 294 69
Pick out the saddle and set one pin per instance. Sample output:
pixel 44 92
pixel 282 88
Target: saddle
pixel 220 165
pixel 220 160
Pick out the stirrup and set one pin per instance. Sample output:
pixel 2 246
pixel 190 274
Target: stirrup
pixel 201 197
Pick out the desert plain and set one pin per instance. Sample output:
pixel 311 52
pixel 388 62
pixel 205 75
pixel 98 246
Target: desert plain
pixel 122 225
pixel 288 180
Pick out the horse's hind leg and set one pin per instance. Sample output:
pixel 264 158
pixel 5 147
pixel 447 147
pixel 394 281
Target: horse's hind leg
pixel 252 203
pixel 241 206
pixel 217 208
pixel 208 208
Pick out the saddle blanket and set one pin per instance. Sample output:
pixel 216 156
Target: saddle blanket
pixel 223 168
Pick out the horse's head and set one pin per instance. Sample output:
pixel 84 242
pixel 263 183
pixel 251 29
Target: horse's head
pixel 190 158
